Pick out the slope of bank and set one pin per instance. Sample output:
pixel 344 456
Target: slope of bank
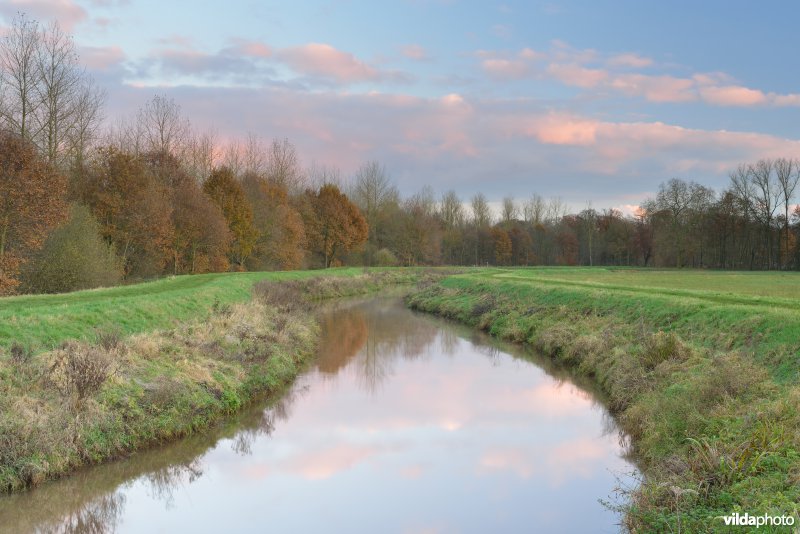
pixel 43 321
pixel 704 386
pixel 84 403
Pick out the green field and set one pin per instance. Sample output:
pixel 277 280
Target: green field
pixel 42 321
pixel 731 285
pixel 758 312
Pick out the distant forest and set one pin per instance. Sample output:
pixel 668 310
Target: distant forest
pixel 84 203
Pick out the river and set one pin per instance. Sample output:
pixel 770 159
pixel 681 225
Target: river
pixel 405 423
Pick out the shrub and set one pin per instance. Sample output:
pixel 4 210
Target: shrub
pixel 73 257
pixel 385 257
pixel 79 370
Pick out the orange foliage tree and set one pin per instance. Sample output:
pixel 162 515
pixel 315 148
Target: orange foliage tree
pixel 226 192
pixel 200 237
pixel 282 236
pixel 32 202
pixel 334 225
pixel 133 209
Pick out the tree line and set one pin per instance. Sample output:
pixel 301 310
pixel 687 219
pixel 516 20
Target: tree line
pixel 85 204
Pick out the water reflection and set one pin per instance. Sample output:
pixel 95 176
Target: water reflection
pixel 405 424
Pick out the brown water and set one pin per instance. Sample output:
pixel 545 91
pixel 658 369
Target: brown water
pixel 405 424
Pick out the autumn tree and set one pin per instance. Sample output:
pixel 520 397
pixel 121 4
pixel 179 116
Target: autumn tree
pixel 32 202
pixel 200 237
pixel 282 237
pixel 502 246
pixel 133 208
pixel 334 224
pixel 226 192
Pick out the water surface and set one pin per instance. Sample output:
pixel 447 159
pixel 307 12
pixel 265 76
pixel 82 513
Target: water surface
pixel 406 423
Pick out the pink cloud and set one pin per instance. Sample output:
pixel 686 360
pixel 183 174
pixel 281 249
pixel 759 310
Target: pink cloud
pixel 251 48
pixel 101 58
pixel 578 68
pixel 319 59
pixel 319 465
pixel 733 95
pixel 564 130
pixel 529 53
pixel 576 75
pixel 630 60
pixel 66 12
pixel 786 100
pixel 505 68
pixel 655 88
pixel 415 52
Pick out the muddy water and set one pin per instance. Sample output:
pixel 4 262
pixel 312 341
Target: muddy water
pixel 405 424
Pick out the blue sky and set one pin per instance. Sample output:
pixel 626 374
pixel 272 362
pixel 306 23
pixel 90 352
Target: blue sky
pixel 584 100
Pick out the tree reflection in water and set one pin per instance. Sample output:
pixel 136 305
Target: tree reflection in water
pixel 372 339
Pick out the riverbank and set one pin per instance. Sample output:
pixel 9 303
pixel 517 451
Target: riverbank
pixel 84 403
pixel 704 384
pixel 41 322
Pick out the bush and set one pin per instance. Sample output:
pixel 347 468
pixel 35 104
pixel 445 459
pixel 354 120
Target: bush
pixel 386 258
pixel 79 370
pixel 73 257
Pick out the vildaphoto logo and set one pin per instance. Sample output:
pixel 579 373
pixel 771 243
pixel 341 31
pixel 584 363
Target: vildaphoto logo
pixel 746 520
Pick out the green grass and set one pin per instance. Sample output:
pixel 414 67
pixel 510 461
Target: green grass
pixel 756 312
pixel 700 369
pixel 43 321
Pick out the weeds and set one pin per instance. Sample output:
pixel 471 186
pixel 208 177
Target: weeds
pixel 79 370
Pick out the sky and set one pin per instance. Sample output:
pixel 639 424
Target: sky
pixel 592 102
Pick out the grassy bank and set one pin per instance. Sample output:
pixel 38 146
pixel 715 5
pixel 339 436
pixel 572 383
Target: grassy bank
pixel 83 403
pixel 43 321
pixel 703 377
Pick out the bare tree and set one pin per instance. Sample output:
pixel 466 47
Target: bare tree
pixel 766 199
pixel 59 91
pixel 233 157
pixel 86 122
pixel 254 156
pixel 787 172
pixel 19 76
pixel 510 211
pixel 320 175
pixel 201 155
pixel 556 210
pixel 373 192
pixel 162 126
pixel 46 96
pixel 451 211
pixel 283 165
pixel 481 220
pixel 481 212
pixel 534 210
